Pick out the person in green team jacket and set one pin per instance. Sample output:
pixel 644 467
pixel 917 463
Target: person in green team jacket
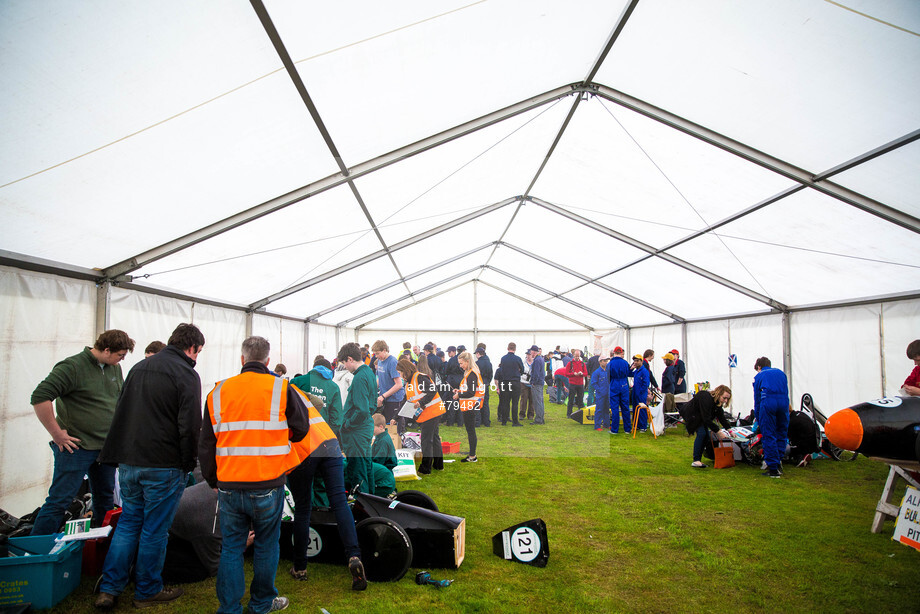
pixel 318 382
pixel 357 425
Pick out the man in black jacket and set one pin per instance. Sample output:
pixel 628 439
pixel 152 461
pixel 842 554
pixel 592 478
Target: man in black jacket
pixel 154 440
pixel 509 392
pixel 485 370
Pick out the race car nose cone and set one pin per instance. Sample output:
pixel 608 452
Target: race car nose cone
pixel 844 429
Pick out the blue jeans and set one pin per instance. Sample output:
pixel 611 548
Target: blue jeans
pixel 538 411
pixel 327 459
pixel 69 469
pixel 562 383
pixel 149 498
pixel 238 509
pixel 699 444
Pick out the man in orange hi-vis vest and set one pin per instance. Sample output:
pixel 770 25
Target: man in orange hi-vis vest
pixel 245 452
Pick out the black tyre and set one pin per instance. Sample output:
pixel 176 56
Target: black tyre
pixel 418 499
pixel 385 549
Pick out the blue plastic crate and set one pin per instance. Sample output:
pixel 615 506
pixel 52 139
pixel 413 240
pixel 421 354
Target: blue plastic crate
pixel 41 579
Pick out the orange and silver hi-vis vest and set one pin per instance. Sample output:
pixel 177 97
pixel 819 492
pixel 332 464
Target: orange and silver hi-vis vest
pixel 319 431
pixel 247 414
pixel 475 401
pixel 434 408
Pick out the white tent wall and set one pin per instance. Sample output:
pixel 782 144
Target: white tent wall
pixel 900 325
pixel 45 319
pixel 662 339
pixel 286 338
pixel 838 354
pixel 748 339
pixel 148 317
pixel 224 331
pixel 322 341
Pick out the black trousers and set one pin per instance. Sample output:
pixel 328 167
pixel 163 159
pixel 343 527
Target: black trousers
pixel 576 396
pixel 469 419
pixel 432 454
pixel 483 418
pixel 509 393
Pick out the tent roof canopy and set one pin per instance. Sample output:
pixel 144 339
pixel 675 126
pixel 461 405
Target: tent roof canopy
pixel 595 164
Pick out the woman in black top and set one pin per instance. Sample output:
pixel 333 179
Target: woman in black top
pixel 423 392
pixel 703 413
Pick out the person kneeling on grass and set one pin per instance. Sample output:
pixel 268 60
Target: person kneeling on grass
pixel 383 452
pixel 704 413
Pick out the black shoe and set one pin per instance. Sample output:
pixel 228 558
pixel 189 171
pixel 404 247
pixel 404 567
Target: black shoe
pixel 773 473
pixel 279 603
pixel 516 424
pixel 469 459
pixel 358 578
pixel 169 593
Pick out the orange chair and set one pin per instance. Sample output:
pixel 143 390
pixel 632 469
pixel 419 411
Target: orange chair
pixel 635 420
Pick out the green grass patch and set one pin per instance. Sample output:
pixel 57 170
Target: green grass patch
pixel 632 528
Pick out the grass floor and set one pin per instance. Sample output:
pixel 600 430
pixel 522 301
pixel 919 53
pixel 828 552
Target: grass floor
pixel 632 528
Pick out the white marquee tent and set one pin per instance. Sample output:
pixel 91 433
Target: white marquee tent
pixel 728 178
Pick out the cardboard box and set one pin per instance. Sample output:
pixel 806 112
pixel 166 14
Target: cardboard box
pixel 397 440
pixel 40 578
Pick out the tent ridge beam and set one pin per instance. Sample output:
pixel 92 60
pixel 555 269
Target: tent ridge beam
pixel 337 179
pixel 409 296
pixel 427 298
pixel 433 267
pixel 594 282
pixel 660 254
pixel 765 160
pixel 379 254
pixel 554 295
pixel 301 87
pixel 614 35
pixel 537 305
pixel 871 155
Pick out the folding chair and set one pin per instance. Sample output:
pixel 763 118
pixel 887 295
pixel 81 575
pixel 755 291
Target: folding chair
pixel 635 420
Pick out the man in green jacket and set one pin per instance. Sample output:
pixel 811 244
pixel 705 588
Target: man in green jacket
pixel 319 382
pixel 86 387
pixel 357 425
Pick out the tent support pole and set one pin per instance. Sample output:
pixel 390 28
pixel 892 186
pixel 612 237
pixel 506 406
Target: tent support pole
pixel 102 307
pixel 475 314
pixel 683 346
pixel 787 350
pixel 306 347
pixel 881 347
